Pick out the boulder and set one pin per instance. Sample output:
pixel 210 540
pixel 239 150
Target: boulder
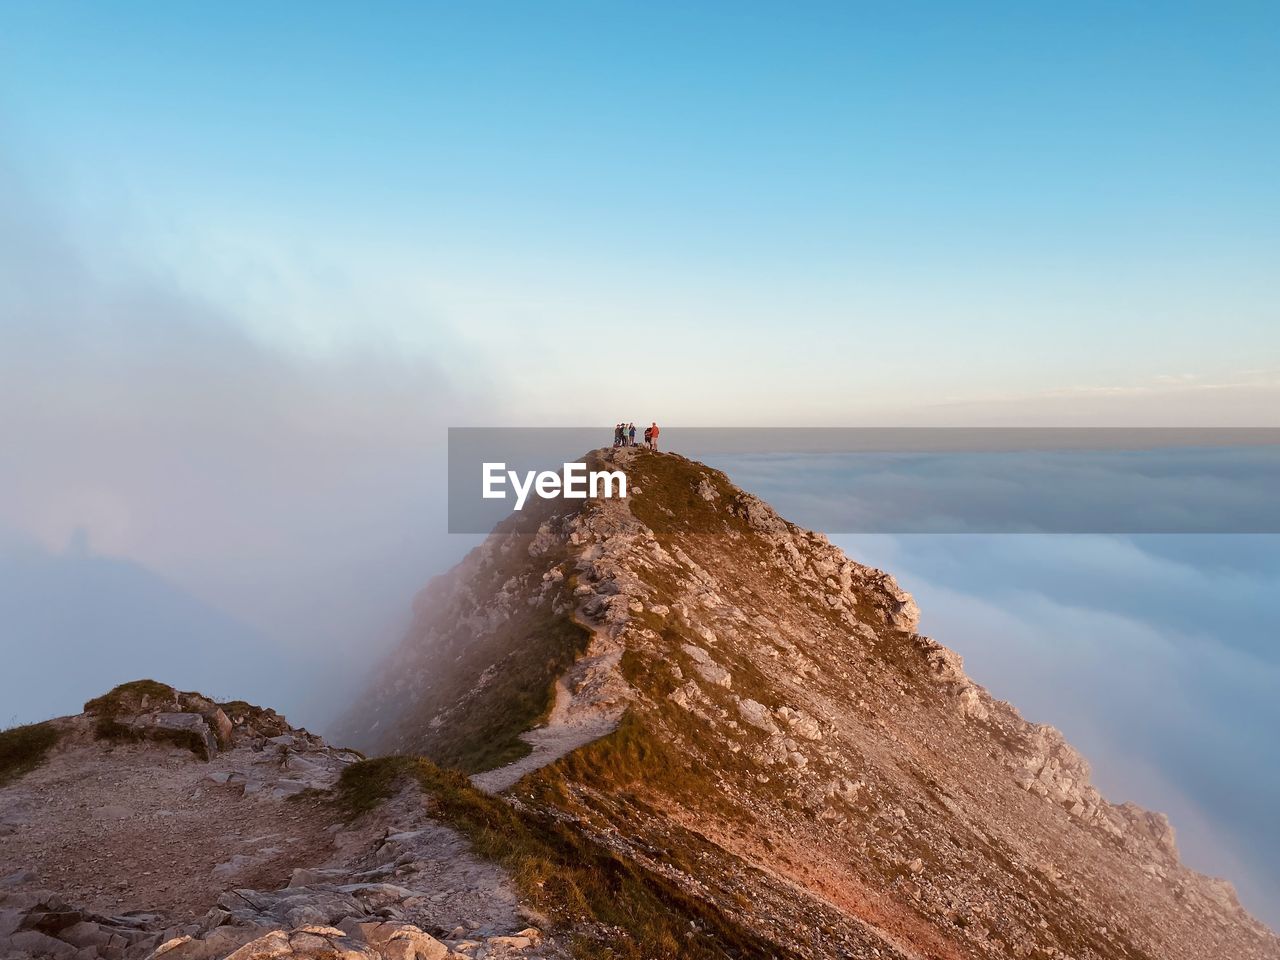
pixel 757 714
pixel 189 729
pixel 38 944
pixel 220 723
pixel 802 725
pixel 85 933
pixel 288 788
pixel 312 942
pixel 398 941
pixel 214 945
pixel 971 705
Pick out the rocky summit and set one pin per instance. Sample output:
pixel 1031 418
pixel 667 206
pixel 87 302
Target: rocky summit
pixel 670 725
pixel 730 705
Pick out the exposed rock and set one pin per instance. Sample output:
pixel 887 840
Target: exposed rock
pixel 840 784
pixel 371 888
pixel 777 752
pixel 398 941
pixel 223 729
pixel 757 714
pixel 707 668
pixel 306 943
pixel 799 724
pixel 971 705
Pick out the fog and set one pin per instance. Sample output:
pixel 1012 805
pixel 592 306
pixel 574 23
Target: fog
pixel 170 485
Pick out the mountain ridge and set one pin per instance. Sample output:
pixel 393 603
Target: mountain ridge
pixel 675 725
pixel 776 696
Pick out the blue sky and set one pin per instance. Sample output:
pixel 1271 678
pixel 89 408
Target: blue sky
pixel 923 213
pixel 255 259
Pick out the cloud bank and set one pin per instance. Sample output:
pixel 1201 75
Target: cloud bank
pixel 1227 489
pixel 1153 654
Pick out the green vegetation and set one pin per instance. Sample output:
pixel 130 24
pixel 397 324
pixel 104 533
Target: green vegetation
pixel 624 911
pixel 24 748
pixel 517 662
pixel 484 732
pixel 364 785
pixel 644 759
pixel 627 756
pixel 669 501
pixel 657 749
pixel 128 697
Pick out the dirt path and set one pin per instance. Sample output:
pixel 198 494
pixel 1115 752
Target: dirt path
pixel 590 699
pixel 146 838
pixel 144 828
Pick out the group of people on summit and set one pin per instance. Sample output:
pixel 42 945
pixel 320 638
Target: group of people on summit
pixel 624 435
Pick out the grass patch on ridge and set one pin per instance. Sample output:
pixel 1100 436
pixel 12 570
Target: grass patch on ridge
pixel 483 731
pixel 24 748
pixel 129 696
pixel 625 911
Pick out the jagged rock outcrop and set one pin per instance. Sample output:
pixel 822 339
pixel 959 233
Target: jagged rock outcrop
pixel 772 735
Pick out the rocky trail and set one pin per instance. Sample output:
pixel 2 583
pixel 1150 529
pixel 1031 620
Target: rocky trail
pixel 130 847
pixel 589 701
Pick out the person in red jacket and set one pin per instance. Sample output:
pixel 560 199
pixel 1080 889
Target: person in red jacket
pixel 653 436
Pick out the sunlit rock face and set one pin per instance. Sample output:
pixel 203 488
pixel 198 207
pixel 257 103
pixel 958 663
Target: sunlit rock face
pixel 730 700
